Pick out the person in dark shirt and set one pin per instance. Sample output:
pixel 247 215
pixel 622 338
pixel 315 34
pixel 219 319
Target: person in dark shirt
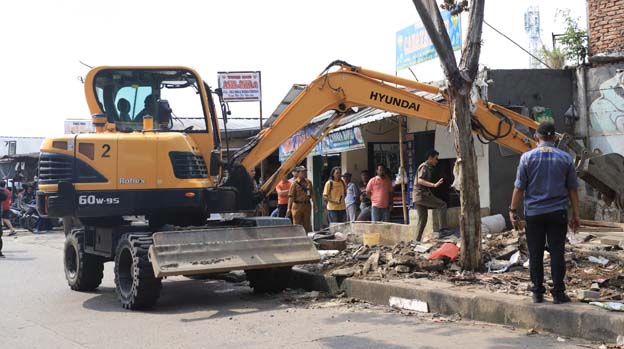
pixel 546 178
pixel 422 196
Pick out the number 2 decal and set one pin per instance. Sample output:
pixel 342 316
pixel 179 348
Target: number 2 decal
pixel 106 148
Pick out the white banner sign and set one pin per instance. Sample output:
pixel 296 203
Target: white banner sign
pixel 240 86
pixel 78 126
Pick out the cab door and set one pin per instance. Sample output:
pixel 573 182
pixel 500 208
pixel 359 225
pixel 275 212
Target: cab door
pixel 137 161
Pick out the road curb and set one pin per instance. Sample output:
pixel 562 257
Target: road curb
pixel 569 320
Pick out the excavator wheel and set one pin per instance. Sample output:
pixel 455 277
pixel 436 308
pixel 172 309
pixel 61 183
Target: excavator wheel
pixel 136 286
pixel 269 280
pixel 84 272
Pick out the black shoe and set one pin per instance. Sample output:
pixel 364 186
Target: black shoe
pixel 12 233
pixel 2 256
pixel 561 298
pixel 538 297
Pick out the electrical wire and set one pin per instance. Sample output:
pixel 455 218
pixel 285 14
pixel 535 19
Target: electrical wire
pixel 515 43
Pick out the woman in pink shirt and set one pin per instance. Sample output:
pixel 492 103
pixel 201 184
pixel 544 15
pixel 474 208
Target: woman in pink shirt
pixel 379 190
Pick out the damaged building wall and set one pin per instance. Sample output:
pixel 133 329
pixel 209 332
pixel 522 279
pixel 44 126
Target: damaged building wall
pixel 527 88
pixel 600 102
pixel 605 101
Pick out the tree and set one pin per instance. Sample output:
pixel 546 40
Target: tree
pixel 573 39
pixel 460 80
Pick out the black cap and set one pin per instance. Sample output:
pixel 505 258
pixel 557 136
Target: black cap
pixel 347 174
pixel 546 128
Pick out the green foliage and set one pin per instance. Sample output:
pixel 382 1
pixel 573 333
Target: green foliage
pixel 455 7
pixel 555 58
pixel 574 39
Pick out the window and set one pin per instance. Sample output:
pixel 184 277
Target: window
pixel 170 97
pixel 12 145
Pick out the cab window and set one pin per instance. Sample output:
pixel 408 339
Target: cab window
pixel 170 97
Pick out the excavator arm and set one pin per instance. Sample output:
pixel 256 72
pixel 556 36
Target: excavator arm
pixel 350 87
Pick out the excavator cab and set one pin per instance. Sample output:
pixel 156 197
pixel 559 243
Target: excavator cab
pixel 126 96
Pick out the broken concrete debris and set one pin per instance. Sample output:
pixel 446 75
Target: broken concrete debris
pixel 586 295
pixel 595 272
pixel 345 273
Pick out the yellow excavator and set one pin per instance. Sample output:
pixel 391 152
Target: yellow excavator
pixel 156 153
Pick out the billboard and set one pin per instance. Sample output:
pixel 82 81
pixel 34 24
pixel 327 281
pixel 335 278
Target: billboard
pixel 240 86
pixel 343 140
pixel 287 148
pixel 413 45
pixel 335 142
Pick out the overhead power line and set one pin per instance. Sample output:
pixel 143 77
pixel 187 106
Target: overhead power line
pixel 515 43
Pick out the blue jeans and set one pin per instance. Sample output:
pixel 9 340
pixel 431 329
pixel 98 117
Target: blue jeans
pixel 379 214
pixel 336 216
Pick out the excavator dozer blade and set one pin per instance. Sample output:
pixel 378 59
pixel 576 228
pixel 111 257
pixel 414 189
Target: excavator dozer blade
pixel 605 174
pixel 204 251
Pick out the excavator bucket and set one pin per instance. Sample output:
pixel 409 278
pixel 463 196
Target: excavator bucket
pixel 605 173
pixel 204 251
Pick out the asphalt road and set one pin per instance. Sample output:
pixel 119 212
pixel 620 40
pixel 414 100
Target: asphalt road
pixel 38 310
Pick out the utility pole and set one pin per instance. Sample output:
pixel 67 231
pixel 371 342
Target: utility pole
pixel 460 79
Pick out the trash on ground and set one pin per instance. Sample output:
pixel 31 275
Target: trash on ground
pixel 409 304
pixel 598 260
pixel 613 306
pixel 447 250
pixel 591 266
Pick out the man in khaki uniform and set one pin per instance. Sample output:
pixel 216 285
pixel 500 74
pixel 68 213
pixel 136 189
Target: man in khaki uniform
pixel 301 200
pixel 423 197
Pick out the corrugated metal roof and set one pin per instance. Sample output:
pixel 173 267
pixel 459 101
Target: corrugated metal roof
pixel 293 93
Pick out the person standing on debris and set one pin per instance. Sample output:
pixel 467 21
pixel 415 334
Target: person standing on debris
pixel 301 200
pixel 282 188
pixel 6 207
pixel 379 190
pixel 546 178
pixel 352 198
pixel 422 196
pixel 334 193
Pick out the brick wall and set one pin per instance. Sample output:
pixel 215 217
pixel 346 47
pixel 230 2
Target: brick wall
pixel 606 26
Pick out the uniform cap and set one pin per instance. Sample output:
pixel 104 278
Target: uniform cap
pixel 546 128
pixel 300 168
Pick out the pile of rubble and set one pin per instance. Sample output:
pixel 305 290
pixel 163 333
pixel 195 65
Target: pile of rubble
pixel 595 271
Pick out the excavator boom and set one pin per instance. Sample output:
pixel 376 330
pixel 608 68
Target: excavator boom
pixel 349 87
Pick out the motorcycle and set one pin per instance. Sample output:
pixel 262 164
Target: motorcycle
pixel 29 217
pixel 14 215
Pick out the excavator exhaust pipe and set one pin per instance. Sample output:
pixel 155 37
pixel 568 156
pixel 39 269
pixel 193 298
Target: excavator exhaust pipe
pixel 205 251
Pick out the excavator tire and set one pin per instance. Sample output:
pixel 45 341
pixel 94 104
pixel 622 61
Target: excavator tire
pixel 83 271
pixel 135 284
pixel 269 280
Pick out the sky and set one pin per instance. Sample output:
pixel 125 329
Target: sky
pixel 290 42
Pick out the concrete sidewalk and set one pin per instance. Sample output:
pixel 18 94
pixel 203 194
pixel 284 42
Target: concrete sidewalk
pixel 571 320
